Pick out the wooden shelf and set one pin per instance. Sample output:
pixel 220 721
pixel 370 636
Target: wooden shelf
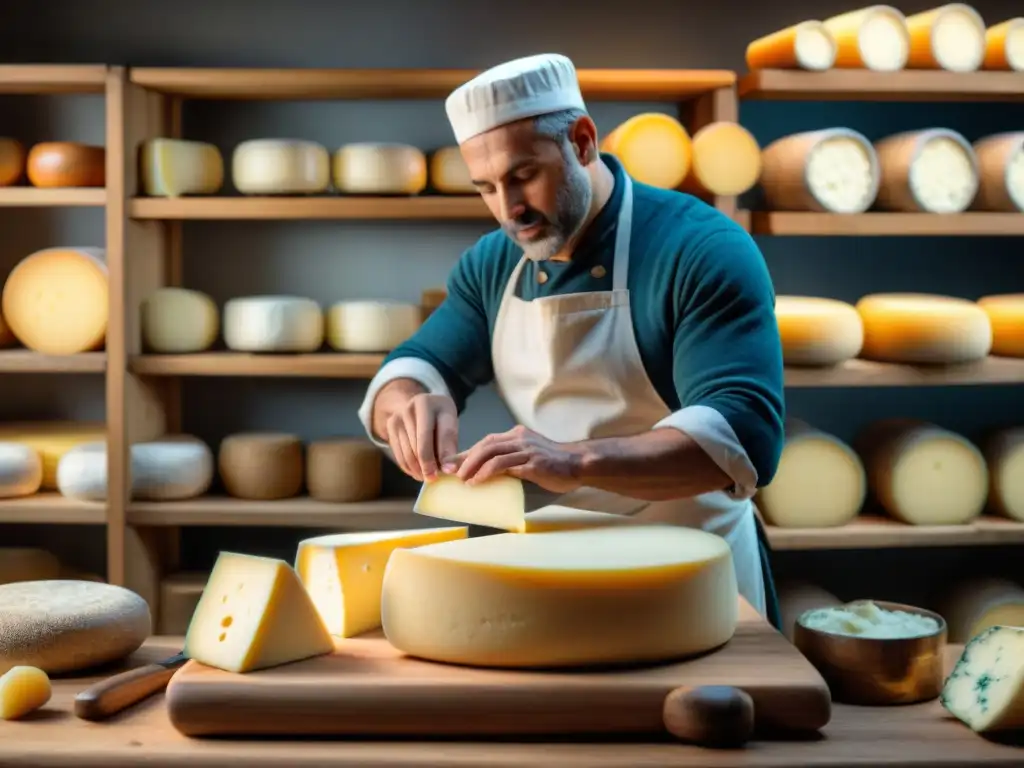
pixel 52 508
pixel 322 365
pixel 34 197
pixel 864 85
pixel 52 79
pixel 887 224
pixel 300 512
pixel 26 361
pixel 426 207
pixel 605 84
pixel 864 373
pixel 871 532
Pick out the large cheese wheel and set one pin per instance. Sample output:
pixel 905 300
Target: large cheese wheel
pixel 923 328
pixel 726 160
pixel 273 324
pixel 798 597
pixel 280 167
pixel 874 37
pixel 12 161
pixel 831 171
pixel 1006 314
pixel 371 326
pixel 179 321
pixel 449 173
pixel 654 148
pixel 1001 172
pixel 818 332
pixel 1004 455
pixel 176 167
pixel 27 564
pixel 558 518
pixel 977 604
pixel 820 481
pixel 950 37
pixel 1004 45
pixel 52 439
pixel 343 470
pixel 179 597
pixel 173 467
pixel 66 164
pixel 807 45
pixel 628 594
pixel 931 171
pixel 21 470
pixel 922 474
pixel 379 169
pixel 261 466
pixel 56 301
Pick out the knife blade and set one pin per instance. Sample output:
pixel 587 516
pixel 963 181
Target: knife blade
pixel 108 697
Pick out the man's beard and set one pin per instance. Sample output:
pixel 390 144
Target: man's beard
pixel 572 206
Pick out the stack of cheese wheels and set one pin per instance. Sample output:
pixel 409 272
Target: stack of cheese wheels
pixel 977 604
pixel 654 149
pixel 797 597
pixel 66 164
pixel 929 171
pixel 343 470
pixel 1001 172
pixel 922 474
pixel 818 332
pixel 179 596
pixel 834 170
pixel 1004 455
pixel 179 321
pixel 449 173
pixel 176 167
pixel 923 329
pixel 51 440
pixel 280 167
pixel 273 324
pixel 1006 314
pixel 56 301
pixel 726 160
pixel 820 481
pixel 371 326
pixel 21 470
pixel 807 45
pixel 431 299
pixel 27 564
pixel 379 169
pixel 653 593
pixel 874 37
pixel 12 161
pixel 950 37
pixel 261 466
pixel 1004 45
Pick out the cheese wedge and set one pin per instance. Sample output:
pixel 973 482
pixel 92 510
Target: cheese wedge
pixel 985 690
pixel 497 503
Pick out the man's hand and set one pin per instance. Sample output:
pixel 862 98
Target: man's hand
pixel 522 453
pixel 423 435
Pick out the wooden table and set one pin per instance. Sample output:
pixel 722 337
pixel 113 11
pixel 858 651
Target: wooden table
pixel 920 735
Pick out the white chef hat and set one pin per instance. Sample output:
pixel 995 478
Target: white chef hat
pixel 515 90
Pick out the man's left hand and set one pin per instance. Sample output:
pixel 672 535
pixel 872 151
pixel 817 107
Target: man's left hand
pixel 522 453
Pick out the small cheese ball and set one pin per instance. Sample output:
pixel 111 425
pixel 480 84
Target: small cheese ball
pixel 23 690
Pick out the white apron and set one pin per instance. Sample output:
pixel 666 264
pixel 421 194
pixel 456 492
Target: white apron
pixel 568 367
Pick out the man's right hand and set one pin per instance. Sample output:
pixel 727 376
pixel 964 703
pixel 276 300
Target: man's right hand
pixel 421 429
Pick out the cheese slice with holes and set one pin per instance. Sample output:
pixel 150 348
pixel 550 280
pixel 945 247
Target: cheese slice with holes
pixel 1004 45
pixel 985 690
pixel 807 45
pixel 496 503
pixel 874 37
pixel 920 328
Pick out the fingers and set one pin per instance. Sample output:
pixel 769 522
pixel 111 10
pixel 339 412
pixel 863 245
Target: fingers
pixel 420 424
pixel 402 448
pixel 447 440
pixel 487 449
pixel 499 465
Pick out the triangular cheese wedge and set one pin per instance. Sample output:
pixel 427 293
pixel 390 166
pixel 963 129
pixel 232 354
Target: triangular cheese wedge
pixel 497 503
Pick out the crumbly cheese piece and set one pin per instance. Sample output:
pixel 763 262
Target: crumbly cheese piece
pixel 985 690
pixel 343 573
pixel 344 470
pixel 1004 454
pixel 21 470
pixel 497 503
pixel 56 300
pixel 639 593
pixel 23 690
pixel 12 161
pixel 1004 45
pixel 807 45
pixel 179 321
pixel 863 618
pixel 923 474
pixel 726 160
pixel 922 328
pixel 66 164
pixel 818 332
pixel 1006 314
pixel 449 173
pixel 27 564
pixel 976 605
pixel 798 597
pixel 371 326
pixel 261 466
pixel 820 481
pixel 379 169
pixel 558 518
pixel 874 37
pixel 52 439
pixel 273 324
pixel 654 148
pixel 254 614
pixel 1001 172
pixel 177 167
pixel 179 597
pixel 931 171
pixel 950 37
pixel 280 167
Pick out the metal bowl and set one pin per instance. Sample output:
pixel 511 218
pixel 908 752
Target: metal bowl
pixel 876 671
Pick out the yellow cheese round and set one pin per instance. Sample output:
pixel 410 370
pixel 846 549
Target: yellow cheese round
pixel 797 597
pixel 975 605
pixel 726 160
pixel 261 466
pixel 66 164
pixel 280 167
pixel 27 564
pixel 654 149
pixel 1001 173
pixel 931 171
pixel 923 474
pixel 21 470
pixel 379 169
pixel 343 470
pixel 950 37
pixel 818 332
pixel 807 45
pixel 1006 314
pixel 52 439
pixel 923 329
pixel 874 37
pixel 179 321
pixel 449 173
pixel 1004 454
pixel 56 301
pixel 371 326
pixel 1004 45
pixel 558 518
pixel 12 161
pixel 177 167
pixel 627 594
pixel 273 324
pixel 23 690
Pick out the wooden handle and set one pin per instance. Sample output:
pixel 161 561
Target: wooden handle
pixel 107 698
pixel 710 716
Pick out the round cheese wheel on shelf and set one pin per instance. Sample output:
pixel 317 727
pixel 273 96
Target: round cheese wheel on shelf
pixel 820 481
pixel 21 470
pixel 1001 173
pixel 343 470
pixel 273 324
pixel 558 518
pixel 818 332
pixel 950 37
pixel 66 164
pixel 379 169
pixel 52 439
pixel 27 564
pixel 834 170
pixel 176 167
pixel 261 466
pixel 926 329
pixel 977 604
pixel 449 173
pixel 797 597
pixel 874 37
pixel 12 161
pixel 930 171
pixel 726 160
pixel 922 474
pixel 371 326
pixel 807 45
pixel 1006 314
pixel 1004 45
pixel 654 148
pixel 280 167
pixel 179 321
pixel 1004 454
pixel 56 301
pixel 649 593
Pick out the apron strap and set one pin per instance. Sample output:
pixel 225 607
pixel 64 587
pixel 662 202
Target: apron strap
pixel 771 597
pixel 623 233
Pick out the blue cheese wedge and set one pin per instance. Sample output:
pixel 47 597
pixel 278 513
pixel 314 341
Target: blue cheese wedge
pixel 985 690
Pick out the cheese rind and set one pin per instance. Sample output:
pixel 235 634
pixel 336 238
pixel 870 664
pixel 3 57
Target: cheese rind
pixel 371 326
pixel 726 160
pixel 1004 455
pixel 261 466
pixel 1004 45
pixel 807 45
pixel 23 690
pixel 976 605
pixel 66 164
pixel 280 167
pixel 930 171
pixel 1006 314
pixel 630 594
pixel 379 169
pixel 1000 173
pixel 179 321
pixel 985 690
pixel 497 503
pixel 52 439
pixel 344 470
pixel 12 161
pixel 950 37
pixel 449 173
pixel 874 37
pixel 273 324
pixel 177 167
pixel 21 470
pixel 654 148
pixel 818 332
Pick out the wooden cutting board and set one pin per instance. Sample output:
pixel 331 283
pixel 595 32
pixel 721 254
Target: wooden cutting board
pixel 367 688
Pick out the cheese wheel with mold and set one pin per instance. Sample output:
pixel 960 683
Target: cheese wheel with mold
pixel 51 439
pixel 179 321
pixel 949 37
pixel 262 466
pixel 797 597
pixel 371 326
pixel 726 160
pixel 280 167
pixel 833 170
pixel 922 474
pixel 1000 173
pixel 273 324
pixel 21 470
pixel 379 169
pixel 807 45
pixel 974 605
pixel 654 148
pixel 66 164
pixel 27 564
pixel 449 173
pixel 917 328
pixel 929 171
pixel 1006 314
pixel 874 37
pixel 816 331
pixel 344 470
pixel 12 161
pixel 177 167
pixel 1004 454
pixel 1004 45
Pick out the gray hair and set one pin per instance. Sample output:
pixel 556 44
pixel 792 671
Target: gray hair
pixel 556 125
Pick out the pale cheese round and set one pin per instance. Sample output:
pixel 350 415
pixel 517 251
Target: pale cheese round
pixel 558 518
pixel 27 564
pixel 977 604
pixel 344 470
pixel 1004 454
pixel 1006 314
pixel 66 164
pixel 179 321
pixel 56 301
pixel 280 167
pixel 371 326
pixel 818 332
pixel 953 37
pixel 177 167
pixel 261 466
pixel 449 173
pixel 379 169
pixel 874 37
pixel 12 161
pixel 1013 43
pixel 654 148
pixel 52 439
pixel 807 45
pixel 273 324
pixel 929 171
pixel 726 159
pixel 21 470
pixel 627 594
